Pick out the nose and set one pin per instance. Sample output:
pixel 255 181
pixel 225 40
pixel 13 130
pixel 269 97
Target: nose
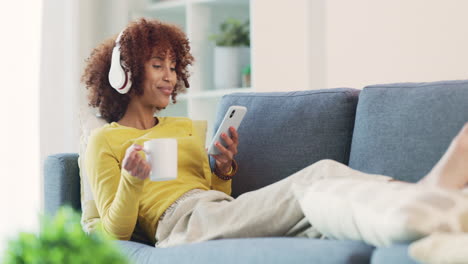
pixel 167 74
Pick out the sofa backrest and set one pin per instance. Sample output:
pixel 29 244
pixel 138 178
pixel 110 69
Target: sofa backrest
pixel 403 129
pixel 284 132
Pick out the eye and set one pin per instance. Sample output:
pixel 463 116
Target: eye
pixel 173 69
pixel 157 66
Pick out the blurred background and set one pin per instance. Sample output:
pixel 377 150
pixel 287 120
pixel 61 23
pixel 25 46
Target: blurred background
pixel 239 46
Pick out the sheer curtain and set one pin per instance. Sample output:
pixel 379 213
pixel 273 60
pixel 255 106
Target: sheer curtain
pixel 20 27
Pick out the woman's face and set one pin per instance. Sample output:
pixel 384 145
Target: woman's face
pixel 160 80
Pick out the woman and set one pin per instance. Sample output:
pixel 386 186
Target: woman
pixel 197 206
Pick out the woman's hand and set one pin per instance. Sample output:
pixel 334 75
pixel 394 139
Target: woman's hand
pixel 224 160
pixel 135 164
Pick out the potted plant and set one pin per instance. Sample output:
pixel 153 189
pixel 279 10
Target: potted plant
pixel 61 240
pixel 232 53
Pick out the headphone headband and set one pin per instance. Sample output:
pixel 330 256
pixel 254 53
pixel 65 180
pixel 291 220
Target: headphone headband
pixel 117 40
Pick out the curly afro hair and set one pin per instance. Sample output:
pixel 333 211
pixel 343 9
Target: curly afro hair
pixel 139 40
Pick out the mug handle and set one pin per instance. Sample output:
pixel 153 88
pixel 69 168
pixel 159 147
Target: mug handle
pixel 147 154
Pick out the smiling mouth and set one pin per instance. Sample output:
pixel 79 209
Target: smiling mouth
pixel 166 90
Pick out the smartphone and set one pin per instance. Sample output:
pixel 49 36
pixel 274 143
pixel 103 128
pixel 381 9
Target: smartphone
pixel 232 118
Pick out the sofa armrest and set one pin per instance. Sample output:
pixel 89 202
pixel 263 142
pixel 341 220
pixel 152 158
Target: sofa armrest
pixel 61 182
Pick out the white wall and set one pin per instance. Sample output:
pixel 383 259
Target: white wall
pixel 314 44
pixel 284 50
pixel 372 41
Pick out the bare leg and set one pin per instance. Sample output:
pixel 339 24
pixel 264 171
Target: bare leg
pixel 451 171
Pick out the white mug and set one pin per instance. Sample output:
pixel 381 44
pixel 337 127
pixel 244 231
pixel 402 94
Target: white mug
pixel 161 154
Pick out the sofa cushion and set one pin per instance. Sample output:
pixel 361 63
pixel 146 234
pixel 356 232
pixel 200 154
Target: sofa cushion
pixel 403 129
pixel 253 250
pixel 284 132
pixel 391 255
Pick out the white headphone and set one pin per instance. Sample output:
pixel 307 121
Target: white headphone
pixel 119 78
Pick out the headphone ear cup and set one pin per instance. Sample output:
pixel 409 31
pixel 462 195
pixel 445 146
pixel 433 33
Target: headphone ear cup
pixel 116 73
pixel 128 83
pixel 118 78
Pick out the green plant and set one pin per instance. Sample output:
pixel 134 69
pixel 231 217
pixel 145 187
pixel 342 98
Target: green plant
pixel 233 33
pixel 61 240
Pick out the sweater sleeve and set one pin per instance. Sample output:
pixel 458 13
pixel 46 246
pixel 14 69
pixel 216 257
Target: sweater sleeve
pixel 116 192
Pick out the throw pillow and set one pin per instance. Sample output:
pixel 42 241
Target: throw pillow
pixel 382 213
pixel 90 215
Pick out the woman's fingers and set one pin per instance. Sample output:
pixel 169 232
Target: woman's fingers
pixel 127 161
pixel 232 141
pixel 227 139
pixel 132 160
pixel 147 171
pixel 132 148
pixel 137 147
pixel 224 151
pixel 141 167
pixel 135 164
pixel 224 159
pixel 134 172
pixel 221 158
pixel 234 135
pixel 134 167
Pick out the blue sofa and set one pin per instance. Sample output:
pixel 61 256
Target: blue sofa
pixel 400 130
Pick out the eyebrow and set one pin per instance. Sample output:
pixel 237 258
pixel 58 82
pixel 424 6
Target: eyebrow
pixel 161 59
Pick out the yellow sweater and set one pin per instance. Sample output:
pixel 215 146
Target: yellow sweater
pixel 128 205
